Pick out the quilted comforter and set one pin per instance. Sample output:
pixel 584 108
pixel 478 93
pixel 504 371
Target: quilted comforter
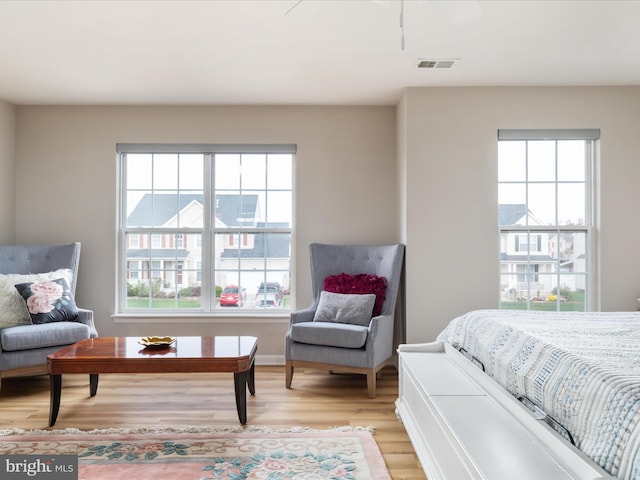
pixel 581 368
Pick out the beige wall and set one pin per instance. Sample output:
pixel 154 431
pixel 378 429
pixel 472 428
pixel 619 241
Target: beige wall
pixel 7 172
pixel 66 186
pixel 423 173
pixel 451 192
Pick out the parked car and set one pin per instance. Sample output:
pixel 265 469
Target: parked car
pixel 270 291
pixel 232 296
pixel 266 300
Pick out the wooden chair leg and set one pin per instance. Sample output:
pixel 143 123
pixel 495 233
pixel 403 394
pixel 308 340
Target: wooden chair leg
pixel 371 383
pixel 288 373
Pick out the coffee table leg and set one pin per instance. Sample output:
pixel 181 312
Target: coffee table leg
pixel 252 379
pixel 93 384
pixel 240 380
pixel 55 382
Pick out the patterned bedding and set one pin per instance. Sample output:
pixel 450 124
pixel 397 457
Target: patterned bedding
pixel 581 368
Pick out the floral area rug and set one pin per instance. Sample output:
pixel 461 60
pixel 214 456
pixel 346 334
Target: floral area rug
pixel 348 453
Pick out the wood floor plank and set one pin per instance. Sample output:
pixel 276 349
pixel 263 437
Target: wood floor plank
pixel 317 399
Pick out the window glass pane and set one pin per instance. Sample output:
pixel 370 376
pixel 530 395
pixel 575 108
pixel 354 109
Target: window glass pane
pixel 235 209
pixel 164 277
pixel 190 210
pixel 512 166
pixel 512 204
pixel 279 208
pixel 165 171
pixel 571 204
pixel 542 204
pixel 227 171
pixel 138 171
pixel 279 172
pixel 254 171
pixel 191 172
pixel 541 162
pixel 571 160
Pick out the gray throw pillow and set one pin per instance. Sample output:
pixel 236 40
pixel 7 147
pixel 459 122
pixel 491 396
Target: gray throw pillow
pixel 345 308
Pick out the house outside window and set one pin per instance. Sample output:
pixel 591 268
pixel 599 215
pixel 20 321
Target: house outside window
pixel 195 219
pixel 546 191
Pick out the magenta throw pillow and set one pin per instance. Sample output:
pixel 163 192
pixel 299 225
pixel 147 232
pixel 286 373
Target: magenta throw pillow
pixel 360 283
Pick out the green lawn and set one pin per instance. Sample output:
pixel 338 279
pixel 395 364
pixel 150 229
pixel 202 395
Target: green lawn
pixel 170 303
pixel 137 302
pixel 576 304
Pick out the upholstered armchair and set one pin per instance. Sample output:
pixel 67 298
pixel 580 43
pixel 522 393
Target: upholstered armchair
pixel 25 344
pixel 348 343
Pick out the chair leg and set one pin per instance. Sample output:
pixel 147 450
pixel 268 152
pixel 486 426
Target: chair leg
pixel 288 369
pixel 371 383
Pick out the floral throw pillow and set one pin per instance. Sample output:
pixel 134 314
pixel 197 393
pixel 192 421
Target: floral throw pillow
pixel 360 283
pixel 13 311
pixel 49 301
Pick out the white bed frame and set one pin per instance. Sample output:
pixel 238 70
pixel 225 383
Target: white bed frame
pixel 464 425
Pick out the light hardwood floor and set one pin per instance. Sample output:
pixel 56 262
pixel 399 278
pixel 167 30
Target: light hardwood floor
pixel 317 399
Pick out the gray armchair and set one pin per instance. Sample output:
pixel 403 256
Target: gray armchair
pixel 24 348
pixel 344 347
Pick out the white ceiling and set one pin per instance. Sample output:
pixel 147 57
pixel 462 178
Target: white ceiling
pixel 323 52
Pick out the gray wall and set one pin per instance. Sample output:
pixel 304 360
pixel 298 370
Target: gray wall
pixel 66 188
pixel 7 172
pixel 451 191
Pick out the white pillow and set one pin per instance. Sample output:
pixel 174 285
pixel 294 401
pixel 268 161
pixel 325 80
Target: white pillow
pixel 13 310
pixel 355 309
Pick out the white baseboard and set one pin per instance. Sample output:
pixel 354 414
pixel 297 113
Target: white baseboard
pixel 269 359
pixel 279 360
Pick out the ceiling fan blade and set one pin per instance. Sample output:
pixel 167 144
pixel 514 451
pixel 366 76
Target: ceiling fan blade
pixel 293 6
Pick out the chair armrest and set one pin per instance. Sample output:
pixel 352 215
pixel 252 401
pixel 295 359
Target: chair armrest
pixel 305 315
pixel 380 338
pixel 86 316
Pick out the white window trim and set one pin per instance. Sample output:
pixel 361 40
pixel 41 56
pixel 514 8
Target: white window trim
pixel 206 314
pixel 592 180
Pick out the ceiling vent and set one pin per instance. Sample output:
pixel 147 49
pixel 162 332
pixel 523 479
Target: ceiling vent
pixel 436 62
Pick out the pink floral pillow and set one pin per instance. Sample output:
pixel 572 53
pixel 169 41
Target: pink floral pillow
pixel 361 283
pixel 49 301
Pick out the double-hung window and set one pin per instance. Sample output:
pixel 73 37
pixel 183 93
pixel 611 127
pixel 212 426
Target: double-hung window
pixel 205 228
pixel 546 197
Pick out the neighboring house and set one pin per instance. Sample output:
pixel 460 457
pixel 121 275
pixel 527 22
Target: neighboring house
pixel 529 260
pixel 175 258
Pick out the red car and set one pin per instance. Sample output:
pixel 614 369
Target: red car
pixel 232 296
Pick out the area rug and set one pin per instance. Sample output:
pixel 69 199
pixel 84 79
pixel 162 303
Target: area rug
pixel 236 453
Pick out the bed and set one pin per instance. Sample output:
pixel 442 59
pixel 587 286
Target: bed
pixel 512 394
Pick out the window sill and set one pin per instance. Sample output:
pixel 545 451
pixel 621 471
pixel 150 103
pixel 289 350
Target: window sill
pixel 246 318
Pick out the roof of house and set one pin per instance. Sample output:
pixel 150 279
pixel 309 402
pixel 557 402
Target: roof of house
pixel 265 245
pixel 511 213
pixel 231 209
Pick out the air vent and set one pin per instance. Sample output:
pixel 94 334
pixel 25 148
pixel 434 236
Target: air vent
pixel 436 62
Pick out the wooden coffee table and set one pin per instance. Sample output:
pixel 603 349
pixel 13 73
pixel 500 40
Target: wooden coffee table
pixel 186 355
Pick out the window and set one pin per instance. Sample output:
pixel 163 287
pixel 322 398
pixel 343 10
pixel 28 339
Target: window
pixel 195 219
pixel 546 191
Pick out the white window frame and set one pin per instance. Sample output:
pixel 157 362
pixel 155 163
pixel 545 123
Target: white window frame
pixel 207 232
pixel 591 138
